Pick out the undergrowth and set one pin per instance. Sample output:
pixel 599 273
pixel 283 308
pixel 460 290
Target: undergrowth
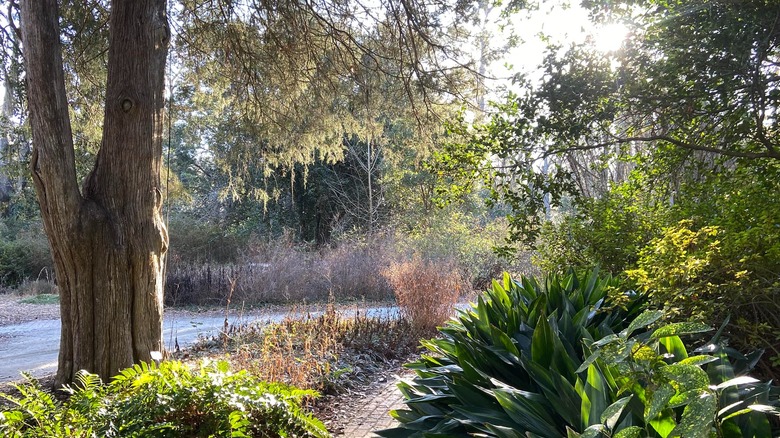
pixel 322 352
pixel 169 400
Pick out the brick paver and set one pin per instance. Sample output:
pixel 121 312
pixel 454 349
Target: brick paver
pixel 373 411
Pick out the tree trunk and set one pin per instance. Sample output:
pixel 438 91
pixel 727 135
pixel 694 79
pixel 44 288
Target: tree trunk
pixel 108 240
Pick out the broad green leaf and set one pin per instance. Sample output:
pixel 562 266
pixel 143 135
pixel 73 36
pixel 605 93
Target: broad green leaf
pixel 675 346
pixel 596 390
pixel 741 380
pixel 570 433
pixel 611 415
pixel 685 377
pixel 680 328
pixel 605 340
pixel 685 397
pixel 592 358
pixel 643 352
pixel 629 432
pixel 697 418
pixel 698 360
pixel 658 401
pixel 579 386
pixel 500 338
pixel 664 424
pixel 736 414
pixel 542 343
pixel 526 410
pixel 645 319
pixel 594 431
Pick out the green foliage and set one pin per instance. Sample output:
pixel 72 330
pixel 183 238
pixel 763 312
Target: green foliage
pixel 465 161
pixel 508 365
pixel 463 237
pixel 552 361
pixel 674 394
pixel 606 232
pixel 23 255
pixel 719 271
pixel 166 400
pixel 676 268
pixel 194 239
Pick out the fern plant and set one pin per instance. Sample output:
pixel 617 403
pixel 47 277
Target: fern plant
pixel 168 400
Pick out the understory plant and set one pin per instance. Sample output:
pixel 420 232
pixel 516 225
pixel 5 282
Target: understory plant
pixel 506 367
pixel 166 400
pixel 665 392
pixel 567 358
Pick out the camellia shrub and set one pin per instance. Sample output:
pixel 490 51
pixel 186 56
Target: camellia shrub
pixel 571 357
pixel 168 400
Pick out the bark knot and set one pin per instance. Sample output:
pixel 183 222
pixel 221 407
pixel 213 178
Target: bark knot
pixel 127 104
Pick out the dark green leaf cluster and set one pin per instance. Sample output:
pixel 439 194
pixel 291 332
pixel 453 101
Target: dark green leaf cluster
pixel 168 400
pixel 507 366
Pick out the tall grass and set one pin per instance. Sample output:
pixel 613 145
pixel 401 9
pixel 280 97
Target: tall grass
pixel 280 273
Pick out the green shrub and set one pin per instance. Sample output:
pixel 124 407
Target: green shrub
pixel 606 232
pixel 712 273
pixel 528 361
pixel 507 366
pixel 24 257
pixel 668 393
pixel 167 400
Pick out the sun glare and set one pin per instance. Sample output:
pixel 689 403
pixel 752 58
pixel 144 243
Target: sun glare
pixel 609 38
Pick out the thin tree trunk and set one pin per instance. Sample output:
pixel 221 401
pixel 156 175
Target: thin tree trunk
pixel 109 242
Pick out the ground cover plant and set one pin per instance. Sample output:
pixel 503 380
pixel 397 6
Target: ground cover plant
pixel 569 356
pixel 165 400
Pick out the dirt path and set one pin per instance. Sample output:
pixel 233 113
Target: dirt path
pixel 13 311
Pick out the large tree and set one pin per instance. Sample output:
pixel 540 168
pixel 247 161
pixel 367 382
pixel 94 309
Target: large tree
pixel 108 238
pixel 694 80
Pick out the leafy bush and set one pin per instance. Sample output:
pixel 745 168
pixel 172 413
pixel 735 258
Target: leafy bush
pixel 163 401
pixel 563 360
pixel 426 291
pixel 24 256
pixel 672 394
pixel 606 232
pixel 507 366
pixel 712 273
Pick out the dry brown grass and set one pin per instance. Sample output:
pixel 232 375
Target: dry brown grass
pixel 282 274
pixel 426 290
pixel 321 352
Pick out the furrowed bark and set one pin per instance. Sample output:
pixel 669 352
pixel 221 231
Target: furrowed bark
pixel 109 242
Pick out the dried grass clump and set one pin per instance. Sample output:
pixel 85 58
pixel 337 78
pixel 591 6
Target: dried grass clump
pixel 426 290
pixel 282 273
pixel 321 351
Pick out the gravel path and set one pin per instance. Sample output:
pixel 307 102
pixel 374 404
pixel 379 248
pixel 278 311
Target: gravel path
pixel 12 311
